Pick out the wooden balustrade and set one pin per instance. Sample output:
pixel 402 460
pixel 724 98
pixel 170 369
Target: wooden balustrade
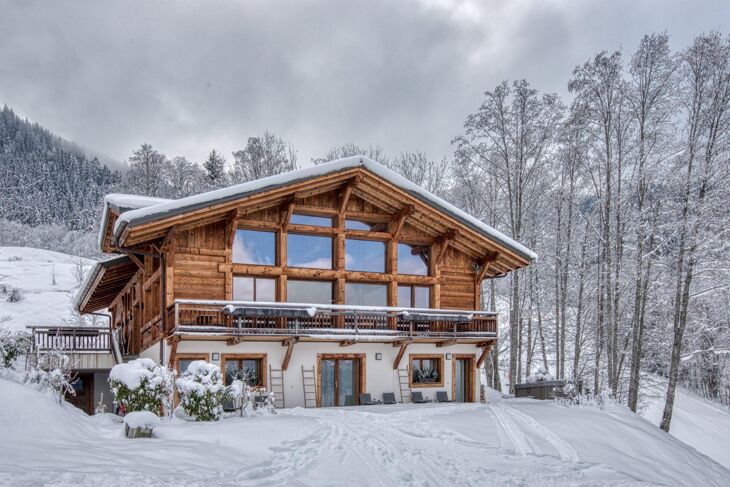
pixel 212 318
pixel 71 339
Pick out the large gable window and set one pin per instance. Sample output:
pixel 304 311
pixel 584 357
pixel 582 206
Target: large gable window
pixel 364 255
pixel 315 221
pixel 309 251
pixel 311 292
pixel 413 259
pixel 361 294
pixel 410 296
pixel 254 289
pixel 254 247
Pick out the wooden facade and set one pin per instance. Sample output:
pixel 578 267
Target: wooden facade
pixel 179 268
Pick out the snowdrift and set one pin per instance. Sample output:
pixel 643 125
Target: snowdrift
pixel 513 442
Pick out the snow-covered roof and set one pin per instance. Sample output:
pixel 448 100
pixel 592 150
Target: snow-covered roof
pixel 166 209
pixel 120 202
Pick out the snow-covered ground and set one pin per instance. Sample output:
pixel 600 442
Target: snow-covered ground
pixel 697 422
pixel 32 271
pixel 511 442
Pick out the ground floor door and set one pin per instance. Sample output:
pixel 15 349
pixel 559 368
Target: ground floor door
pixel 463 380
pixel 339 380
pixel 84 388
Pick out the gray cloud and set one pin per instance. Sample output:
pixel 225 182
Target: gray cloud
pixel 191 76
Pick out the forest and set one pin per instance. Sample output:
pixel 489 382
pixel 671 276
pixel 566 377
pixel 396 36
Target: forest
pixel 620 187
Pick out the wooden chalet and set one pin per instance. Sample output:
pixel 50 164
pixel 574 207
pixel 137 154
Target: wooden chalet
pixel 318 284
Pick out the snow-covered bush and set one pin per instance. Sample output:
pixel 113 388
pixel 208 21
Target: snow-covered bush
pixel 12 346
pixel 141 385
pixel 567 394
pixel 201 391
pixel 541 375
pixel 52 374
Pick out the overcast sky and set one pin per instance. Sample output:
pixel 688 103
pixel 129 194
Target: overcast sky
pixel 191 76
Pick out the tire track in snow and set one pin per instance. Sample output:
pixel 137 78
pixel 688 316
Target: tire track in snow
pixel 564 449
pixel 513 432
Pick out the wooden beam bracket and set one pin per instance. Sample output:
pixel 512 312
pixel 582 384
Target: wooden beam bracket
pixel 398 357
pixel 289 343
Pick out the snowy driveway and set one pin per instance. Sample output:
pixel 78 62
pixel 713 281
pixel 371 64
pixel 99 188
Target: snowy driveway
pixel 505 443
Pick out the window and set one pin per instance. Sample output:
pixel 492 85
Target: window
pixel 254 289
pixel 366 294
pixel 309 251
pixel 427 370
pixel 316 221
pixel 250 369
pixel 364 255
pixel 311 292
pixel 412 259
pixel 358 225
pixel 414 296
pixel 184 360
pixel 254 247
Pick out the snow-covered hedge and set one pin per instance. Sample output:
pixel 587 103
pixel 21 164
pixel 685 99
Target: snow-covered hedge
pixel 12 346
pixel 201 391
pixel 141 385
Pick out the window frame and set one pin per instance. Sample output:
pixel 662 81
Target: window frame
pixel 413 287
pixel 305 214
pixel 398 260
pixel 333 286
pixel 247 229
pixel 260 357
pixel 331 238
pixel 255 278
pixel 385 254
pixel 438 358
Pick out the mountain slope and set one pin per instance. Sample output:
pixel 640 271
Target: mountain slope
pixel 32 272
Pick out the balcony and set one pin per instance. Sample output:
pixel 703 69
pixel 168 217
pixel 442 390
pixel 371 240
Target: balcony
pixel 87 347
pixel 241 319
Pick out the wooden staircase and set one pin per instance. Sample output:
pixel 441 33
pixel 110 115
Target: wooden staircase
pixel 405 386
pixel 276 382
pixel 309 382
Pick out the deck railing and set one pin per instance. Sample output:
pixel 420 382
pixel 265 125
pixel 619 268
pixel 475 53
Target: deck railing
pixel 239 318
pixel 80 339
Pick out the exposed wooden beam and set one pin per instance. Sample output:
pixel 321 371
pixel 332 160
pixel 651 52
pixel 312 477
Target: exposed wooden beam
pixel 234 341
pixel 345 194
pixel 399 220
pixel 485 263
pixel 289 343
pixel 287 212
pixel 348 343
pixel 173 352
pixel 485 353
pixel 400 343
pixel 135 259
pixel 446 343
pixel 445 240
pixel 398 357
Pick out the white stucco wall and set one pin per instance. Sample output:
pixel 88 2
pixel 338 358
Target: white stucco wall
pixel 380 376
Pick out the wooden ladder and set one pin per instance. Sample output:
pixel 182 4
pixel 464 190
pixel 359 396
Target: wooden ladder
pixel 309 382
pixel 405 385
pixel 276 376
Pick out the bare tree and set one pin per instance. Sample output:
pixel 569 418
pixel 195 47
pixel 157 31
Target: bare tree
pixel 263 156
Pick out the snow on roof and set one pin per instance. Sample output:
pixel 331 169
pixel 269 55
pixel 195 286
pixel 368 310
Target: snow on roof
pixel 120 202
pixel 191 203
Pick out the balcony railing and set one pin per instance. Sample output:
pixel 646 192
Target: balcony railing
pixel 80 339
pixel 241 318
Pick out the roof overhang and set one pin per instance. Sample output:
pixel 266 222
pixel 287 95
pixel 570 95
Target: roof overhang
pixel 102 285
pixel 128 220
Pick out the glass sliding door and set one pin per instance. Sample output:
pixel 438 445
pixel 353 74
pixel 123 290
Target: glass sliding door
pixel 460 383
pixel 463 376
pixel 339 381
pixel 328 383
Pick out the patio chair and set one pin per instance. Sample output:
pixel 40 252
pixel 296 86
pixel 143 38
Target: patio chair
pixel 417 398
pixel 366 400
pixel 389 398
pixel 441 396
